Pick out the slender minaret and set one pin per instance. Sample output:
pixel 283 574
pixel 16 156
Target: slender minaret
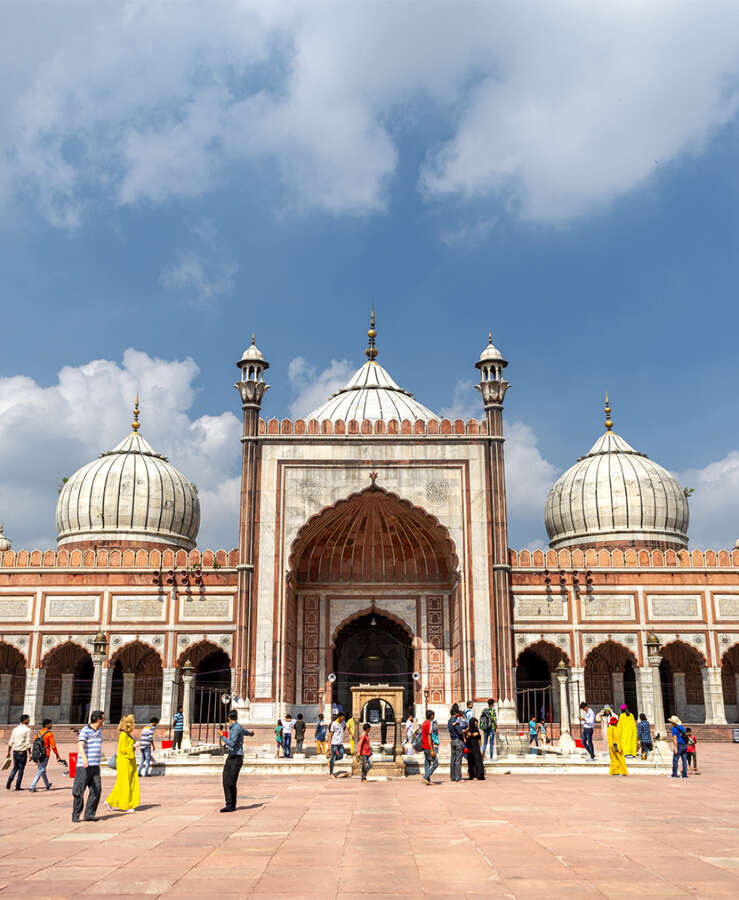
pixel 251 388
pixel 493 388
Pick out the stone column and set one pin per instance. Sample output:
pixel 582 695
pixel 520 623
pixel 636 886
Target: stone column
pixel 617 683
pixel 106 688
pixel 6 683
pixel 33 702
pixel 577 693
pixel 96 697
pixel 169 696
pixel 65 701
pixel 713 696
pixel 188 678
pixel 566 743
pixel 645 692
pixel 129 680
pixel 681 700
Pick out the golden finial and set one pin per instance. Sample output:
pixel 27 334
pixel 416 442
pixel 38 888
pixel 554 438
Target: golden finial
pixel 490 338
pixel 371 351
pixel 252 339
pixel 135 424
pixel 609 423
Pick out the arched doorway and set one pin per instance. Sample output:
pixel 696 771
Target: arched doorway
pixel 136 686
pixel 684 665
pixel 534 670
pixel 391 554
pixel 68 683
pixel 373 649
pixel 730 683
pixel 610 677
pixel 12 683
pixel 212 681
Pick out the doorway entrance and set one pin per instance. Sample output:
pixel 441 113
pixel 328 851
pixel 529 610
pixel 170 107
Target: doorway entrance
pixel 373 649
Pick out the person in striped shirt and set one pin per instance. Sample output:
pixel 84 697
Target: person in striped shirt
pixel 178 726
pixel 146 745
pixel 87 775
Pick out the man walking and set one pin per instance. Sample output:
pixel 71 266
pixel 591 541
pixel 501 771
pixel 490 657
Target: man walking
pixel 87 776
pixel 644 734
pixel 19 744
pixel 336 746
pixel 146 745
pixel 178 726
pixel 430 756
pixel 364 750
pixel 456 727
pixel 679 746
pixel 235 759
pixel 587 717
pixel 488 726
pixel 42 747
pixel 299 733
pixel 287 735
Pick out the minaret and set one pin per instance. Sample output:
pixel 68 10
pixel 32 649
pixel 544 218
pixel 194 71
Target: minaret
pixel 251 388
pixel 493 388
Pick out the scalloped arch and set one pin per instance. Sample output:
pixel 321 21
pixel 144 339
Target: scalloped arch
pixel 376 610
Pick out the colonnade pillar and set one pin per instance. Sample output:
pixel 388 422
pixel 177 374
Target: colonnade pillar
pixel 65 698
pixel 577 692
pixel 129 680
pixel 6 684
pixel 617 683
pixel 713 696
pixel 645 692
pixel 33 702
pixel 680 694
pixel 169 695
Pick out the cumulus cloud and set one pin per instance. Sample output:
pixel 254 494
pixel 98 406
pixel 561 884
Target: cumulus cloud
pixel 714 521
pixel 312 386
pixel 551 109
pixel 469 235
pixel 201 279
pixel 47 433
pixel 465 404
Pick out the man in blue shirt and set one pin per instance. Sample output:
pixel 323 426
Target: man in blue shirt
pixel 146 745
pixel 235 759
pixel 87 776
pixel 456 727
pixel 679 746
pixel 178 726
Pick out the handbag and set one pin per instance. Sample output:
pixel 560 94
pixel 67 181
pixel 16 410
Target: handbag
pixel 113 762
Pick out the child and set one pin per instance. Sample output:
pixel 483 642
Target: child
pixel 644 733
pixel 320 736
pixel 364 750
pixel 691 751
pixel 533 734
pixel 543 733
pixel 278 738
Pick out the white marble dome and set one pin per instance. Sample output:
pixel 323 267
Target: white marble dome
pixel 129 495
pixel 4 542
pixel 614 494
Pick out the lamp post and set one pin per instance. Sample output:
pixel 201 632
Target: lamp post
pixel 566 744
pixel 99 648
pixel 654 657
pixel 188 674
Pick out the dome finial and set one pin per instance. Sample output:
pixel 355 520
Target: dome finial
pixel 490 338
pixel 253 341
pixel 609 423
pixel 371 351
pixel 135 424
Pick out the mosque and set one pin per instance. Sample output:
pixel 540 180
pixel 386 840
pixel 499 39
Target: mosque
pixel 372 547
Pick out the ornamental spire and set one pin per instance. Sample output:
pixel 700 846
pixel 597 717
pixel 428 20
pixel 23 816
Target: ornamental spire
pixel 135 424
pixel 371 351
pixel 609 423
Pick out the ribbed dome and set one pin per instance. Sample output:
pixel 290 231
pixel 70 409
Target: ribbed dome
pixel 129 495
pixel 4 542
pixel 372 394
pixel 615 494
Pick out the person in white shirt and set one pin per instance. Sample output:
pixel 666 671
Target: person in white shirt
pixel 336 746
pixel 19 745
pixel 587 717
pixel 287 735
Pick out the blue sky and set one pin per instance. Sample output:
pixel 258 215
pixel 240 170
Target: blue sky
pixel 172 182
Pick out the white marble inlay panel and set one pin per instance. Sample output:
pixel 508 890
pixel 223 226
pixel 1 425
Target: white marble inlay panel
pixel 206 608
pixel 607 606
pixel 143 607
pixel 70 606
pixel 727 606
pixel 539 606
pixel 673 606
pixel 15 609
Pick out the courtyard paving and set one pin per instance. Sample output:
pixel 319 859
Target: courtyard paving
pixel 512 836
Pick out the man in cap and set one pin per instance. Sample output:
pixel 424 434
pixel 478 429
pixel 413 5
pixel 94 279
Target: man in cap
pixel 235 746
pixel 679 746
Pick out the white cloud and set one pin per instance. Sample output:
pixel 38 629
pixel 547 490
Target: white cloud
pixel 312 387
pixel 552 109
pixel 465 404
pixel 714 507
pixel 529 476
pixel 47 433
pixel 202 279
pixel 469 235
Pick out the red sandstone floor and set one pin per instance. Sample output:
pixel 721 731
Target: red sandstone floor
pixel 512 836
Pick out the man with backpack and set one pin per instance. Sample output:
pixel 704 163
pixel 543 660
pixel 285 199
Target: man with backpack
pixel 41 750
pixel 679 746
pixel 488 726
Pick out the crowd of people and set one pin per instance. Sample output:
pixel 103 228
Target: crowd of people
pixel 470 738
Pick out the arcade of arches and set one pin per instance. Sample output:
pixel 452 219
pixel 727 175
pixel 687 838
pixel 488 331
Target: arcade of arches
pixel 372 597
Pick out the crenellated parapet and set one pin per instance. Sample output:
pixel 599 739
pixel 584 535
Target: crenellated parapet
pixel 118 559
pixel 367 428
pixel 623 558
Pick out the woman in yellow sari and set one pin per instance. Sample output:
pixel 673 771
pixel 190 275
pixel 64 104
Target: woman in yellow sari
pixel 627 738
pixel 125 794
pixel 618 766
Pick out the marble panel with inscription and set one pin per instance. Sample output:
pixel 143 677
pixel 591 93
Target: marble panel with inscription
pixel 539 606
pixel 673 606
pixel 148 607
pixel 727 606
pixel 70 606
pixel 15 608
pixel 197 607
pixel 607 606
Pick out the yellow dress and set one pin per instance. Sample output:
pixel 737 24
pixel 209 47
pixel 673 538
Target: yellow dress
pixel 125 793
pixel 350 728
pixel 618 766
pixel 627 739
